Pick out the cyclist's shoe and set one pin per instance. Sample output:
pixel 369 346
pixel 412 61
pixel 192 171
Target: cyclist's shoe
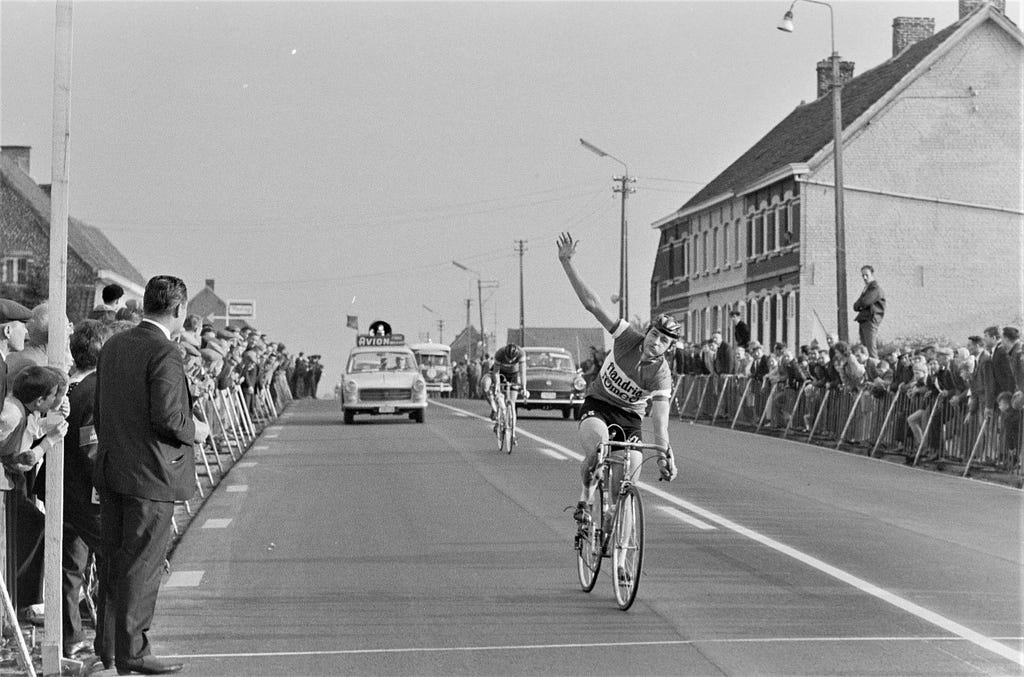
pixel 494 416
pixel 624 576
pixel 582 514
pixel 494 428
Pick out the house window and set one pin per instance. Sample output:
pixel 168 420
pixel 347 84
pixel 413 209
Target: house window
pixel 759 234
pixel 671 253
pixel 684 255
pixel 714 248
pixel 794 222
pixel 704 252
pixel 14 269
pixel 769 228
pixel 785 236
pixel 736 242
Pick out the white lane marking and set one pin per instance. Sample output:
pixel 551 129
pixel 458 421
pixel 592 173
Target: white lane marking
pixel 217 523
pixel 683 517
pixel 247 464
pixel 236 488
pixel 535 647
pixel 552 453
pixel 184 579
pixel 270 436
pixel 947 624
pixel 261 447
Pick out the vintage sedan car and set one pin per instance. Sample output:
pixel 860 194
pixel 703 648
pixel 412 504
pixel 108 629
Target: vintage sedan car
pixel 435 361
pixel 552 381
pixel 382 379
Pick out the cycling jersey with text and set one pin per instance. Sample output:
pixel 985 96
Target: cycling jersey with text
pixel 624 380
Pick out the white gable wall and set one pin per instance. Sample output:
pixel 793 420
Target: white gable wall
pixel 953 136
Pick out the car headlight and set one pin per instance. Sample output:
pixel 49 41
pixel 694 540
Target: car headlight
pixel 419 385
pixel 445 378
pixel 351 387
pixel 579 383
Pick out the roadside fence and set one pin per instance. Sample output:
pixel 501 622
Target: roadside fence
pixel 923 429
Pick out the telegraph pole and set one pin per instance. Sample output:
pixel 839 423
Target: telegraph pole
pixel 440 330
pixel 625 189
pixel 468 301
pixel 521 247
pixel 58 338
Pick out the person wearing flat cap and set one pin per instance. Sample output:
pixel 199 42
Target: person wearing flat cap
pixel 13 316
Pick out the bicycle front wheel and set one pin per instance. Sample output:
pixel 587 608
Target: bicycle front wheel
pixel 628 546
pixel 510 427
pixel 589 541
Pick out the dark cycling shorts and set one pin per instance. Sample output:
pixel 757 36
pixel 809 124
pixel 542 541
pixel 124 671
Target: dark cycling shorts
pixel 616 419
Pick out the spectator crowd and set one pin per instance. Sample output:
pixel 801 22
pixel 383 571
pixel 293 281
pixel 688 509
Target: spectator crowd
pixel 119 462
pixel 982 379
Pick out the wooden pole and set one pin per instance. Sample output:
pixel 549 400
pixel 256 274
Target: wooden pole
pixel 58 340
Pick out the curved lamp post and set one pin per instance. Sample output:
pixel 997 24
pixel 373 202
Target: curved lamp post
pixel 786 25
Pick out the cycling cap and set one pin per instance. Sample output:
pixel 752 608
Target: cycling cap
pixel 513 352
pixel 667 326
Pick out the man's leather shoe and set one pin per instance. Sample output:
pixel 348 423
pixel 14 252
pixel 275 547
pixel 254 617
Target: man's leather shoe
pixel 149 665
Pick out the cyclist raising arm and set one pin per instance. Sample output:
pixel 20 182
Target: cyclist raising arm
pixel 634 371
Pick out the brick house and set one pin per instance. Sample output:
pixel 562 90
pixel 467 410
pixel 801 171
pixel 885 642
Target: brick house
pixel 933 199
pixel 93 262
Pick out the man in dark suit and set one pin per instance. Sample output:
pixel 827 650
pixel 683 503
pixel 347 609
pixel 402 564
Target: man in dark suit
pixel 144 462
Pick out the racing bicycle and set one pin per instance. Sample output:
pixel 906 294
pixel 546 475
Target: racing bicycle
pixel 615 524
pixel 505 401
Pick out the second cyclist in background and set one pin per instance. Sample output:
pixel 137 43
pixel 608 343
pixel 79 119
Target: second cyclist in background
pixel 510 365
pixel 634 371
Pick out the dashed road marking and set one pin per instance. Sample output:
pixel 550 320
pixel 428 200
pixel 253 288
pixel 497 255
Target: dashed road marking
pixel 217 523
pixel 184 579
pixel 261 447
pixel 271 436
pixel 236 488
pixel 682 516
pixel 247 464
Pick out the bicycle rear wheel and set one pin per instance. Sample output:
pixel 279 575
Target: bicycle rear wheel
pixel 628 546
pixel 589 542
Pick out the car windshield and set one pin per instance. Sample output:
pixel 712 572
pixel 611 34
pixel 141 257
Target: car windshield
pixel 432 360
pixel 382 361
pixel 558 361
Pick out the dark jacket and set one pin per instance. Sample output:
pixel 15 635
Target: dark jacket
pixel 143 418
pixel 741 334
pixel 870 305
pixel 80 445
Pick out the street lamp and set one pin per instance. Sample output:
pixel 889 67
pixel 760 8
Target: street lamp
pixel 786 25
pixel 624 189
pixel 479 299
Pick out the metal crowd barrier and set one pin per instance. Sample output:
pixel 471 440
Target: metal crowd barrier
pixel 868 419
pixel 233 428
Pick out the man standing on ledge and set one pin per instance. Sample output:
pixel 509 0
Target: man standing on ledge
pixel 870 307
pixel 144 424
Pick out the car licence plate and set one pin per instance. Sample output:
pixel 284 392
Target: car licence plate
pixel 387 409
pixel 548 396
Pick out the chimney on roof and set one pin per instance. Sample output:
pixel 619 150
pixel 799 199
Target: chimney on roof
pixel 19 155
pixel 968 6
pixel 825 75
pixel 209 283
pixel 906 30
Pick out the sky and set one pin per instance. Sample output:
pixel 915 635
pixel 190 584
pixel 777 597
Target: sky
pixel 334 158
